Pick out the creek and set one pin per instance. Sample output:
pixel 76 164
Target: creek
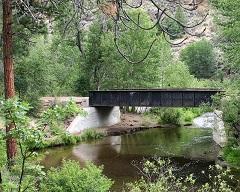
pixel 191 149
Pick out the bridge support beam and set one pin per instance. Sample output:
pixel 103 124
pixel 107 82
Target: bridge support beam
pixel 96 117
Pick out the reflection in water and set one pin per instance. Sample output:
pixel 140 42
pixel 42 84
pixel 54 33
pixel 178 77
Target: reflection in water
pixel 183 145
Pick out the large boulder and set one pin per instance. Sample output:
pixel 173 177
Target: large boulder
pixel 214 121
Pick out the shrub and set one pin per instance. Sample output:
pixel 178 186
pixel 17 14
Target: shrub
pixel 188 116
pixel 232 155
pixel 158 176
pixel 71 177
pixel 170 116
pixel 178 116
pixel 200 59
pixel 90 134
pixel 230 105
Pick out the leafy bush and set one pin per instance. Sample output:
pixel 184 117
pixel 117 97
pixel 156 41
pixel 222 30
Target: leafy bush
pixel 232 155
pixel 65 138
pixel 177 116
pixel 230 105
pixel 50 68
pixel 170 116
pixel 200 59
pixel 71 177
pixel 158 176
pixel 231 110
pixel 188 116
pixel 54 117
pixel 90 134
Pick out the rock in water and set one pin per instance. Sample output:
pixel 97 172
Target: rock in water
pixel 219 134
pixel 214 121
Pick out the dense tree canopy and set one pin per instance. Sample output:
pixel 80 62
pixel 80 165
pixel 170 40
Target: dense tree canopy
pixel 229 25
pixel 200 59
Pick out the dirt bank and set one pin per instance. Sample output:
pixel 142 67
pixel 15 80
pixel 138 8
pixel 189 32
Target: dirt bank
pixel 131 123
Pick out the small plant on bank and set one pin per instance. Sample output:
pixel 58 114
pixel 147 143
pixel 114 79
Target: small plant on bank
pixel 72 178
pixel 60 113
pixel 158 175
pixel 229 104
pixel 91 134
pixel 167 115
pixel 27 176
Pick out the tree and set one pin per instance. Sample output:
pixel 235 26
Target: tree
pixel 50 68
pixel 8 69
pixel 229 39
pixel 199 57
pixel 174 27
pixel 105 68
pixel 94 70
pixel 177 75
pixel 21 20
pixel 30 13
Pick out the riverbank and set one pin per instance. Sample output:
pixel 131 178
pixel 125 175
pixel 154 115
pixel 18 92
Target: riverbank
pixel 131 123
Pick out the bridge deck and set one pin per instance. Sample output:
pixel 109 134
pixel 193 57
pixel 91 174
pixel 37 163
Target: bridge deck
pixel 152 97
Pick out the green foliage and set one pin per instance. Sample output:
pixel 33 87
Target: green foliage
pixel 50 68
pixel 200 59
pixel 105 68
pixel 177 75
pixel 231 153
pixel 2 150
pixel 230 105
pixel 93 66
pixel 168 115
pixel 54 117
pixel 178 116
pixel 65 138
pixel 71 177
pixel 229 39
pixel 158 176
pixel 90 134
pixel 172 27
pixel 27 137
pixel 231 109
pixel 188 116
pixel 24 175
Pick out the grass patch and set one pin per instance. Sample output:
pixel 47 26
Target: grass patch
pixel 68 139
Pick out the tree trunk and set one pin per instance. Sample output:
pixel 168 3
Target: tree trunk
pixel 8 69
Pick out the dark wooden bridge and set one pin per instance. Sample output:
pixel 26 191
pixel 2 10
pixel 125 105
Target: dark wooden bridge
pixel 152 97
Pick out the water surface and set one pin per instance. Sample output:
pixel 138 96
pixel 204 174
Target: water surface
pixel 192 149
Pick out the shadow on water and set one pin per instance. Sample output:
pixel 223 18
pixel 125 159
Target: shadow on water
pixel 190 148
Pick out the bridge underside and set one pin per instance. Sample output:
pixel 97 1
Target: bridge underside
pixel 152 97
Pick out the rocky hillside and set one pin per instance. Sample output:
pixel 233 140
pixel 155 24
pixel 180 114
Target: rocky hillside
pixel 193 17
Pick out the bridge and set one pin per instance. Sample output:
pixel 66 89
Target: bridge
pixel 152 97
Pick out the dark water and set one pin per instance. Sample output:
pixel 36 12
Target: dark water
pixel 191 149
